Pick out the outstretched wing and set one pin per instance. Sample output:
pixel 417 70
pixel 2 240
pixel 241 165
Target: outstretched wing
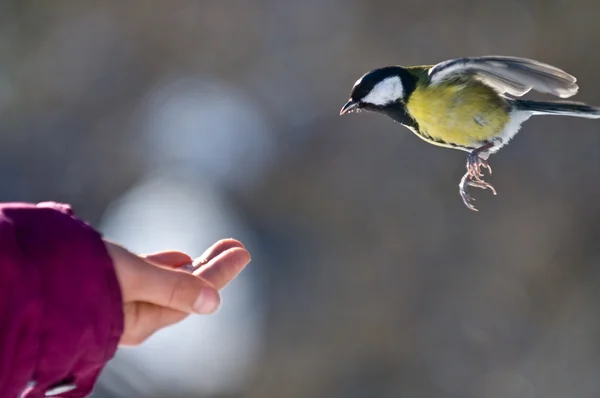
pixel 510 75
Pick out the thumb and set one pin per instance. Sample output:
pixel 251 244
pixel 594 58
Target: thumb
pixel 174 289
pixel 145 319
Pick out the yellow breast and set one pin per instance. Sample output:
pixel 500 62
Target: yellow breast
pixel 463 114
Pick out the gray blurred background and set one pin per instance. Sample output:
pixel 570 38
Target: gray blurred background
pixel 171 124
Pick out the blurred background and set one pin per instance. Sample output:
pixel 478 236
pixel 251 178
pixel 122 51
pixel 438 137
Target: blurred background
pixel 169 125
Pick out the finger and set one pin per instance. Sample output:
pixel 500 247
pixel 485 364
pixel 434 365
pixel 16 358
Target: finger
pixel 169 258
pixel 223 268
pixel 174 289
pixel 216 249
pixel 142 320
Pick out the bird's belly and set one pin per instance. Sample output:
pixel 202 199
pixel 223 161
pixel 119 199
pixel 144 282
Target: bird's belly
pixel 464 118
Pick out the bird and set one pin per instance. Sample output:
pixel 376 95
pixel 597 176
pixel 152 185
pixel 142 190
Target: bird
pixel 471 104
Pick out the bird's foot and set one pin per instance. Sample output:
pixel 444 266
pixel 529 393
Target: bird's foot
pixel 473 180
pixel 474 166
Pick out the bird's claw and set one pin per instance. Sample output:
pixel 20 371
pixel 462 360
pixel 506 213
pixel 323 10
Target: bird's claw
pixel 467 199
pixel 473 177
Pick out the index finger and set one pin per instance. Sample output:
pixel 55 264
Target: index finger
pixel 170 258
pixel 223 268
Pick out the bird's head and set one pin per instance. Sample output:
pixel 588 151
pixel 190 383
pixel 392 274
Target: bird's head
pixel 379 90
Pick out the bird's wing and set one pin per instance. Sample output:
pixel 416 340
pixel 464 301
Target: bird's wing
pixel 510 75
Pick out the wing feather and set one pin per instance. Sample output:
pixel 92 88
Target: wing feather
pixel 508 75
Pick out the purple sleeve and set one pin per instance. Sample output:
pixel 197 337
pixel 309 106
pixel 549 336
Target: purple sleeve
pixel 60 302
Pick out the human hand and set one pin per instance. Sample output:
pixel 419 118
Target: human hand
pixel 158 292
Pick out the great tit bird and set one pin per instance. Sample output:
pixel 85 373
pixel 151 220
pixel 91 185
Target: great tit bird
pixel 464 104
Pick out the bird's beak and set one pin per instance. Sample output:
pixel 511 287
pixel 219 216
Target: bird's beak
pixel 349 107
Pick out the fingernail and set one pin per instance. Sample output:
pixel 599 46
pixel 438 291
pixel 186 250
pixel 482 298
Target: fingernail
pixel 207 301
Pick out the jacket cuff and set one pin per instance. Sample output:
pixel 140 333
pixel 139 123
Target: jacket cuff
pixel 81 318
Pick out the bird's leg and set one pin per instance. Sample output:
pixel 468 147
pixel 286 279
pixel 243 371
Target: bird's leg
pixel 473 176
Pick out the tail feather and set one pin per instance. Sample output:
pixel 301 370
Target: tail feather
pixel 564 108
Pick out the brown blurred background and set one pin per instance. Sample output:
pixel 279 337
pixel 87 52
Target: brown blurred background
pixel 170 121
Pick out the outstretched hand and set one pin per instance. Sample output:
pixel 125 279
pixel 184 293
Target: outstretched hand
pixel 161 289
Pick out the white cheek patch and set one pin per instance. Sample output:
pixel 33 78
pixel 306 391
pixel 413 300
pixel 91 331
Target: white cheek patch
pixel 385 92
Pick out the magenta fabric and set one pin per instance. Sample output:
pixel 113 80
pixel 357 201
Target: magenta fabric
pixel 61 313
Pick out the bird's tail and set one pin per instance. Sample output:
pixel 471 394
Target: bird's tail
pixel 564 108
